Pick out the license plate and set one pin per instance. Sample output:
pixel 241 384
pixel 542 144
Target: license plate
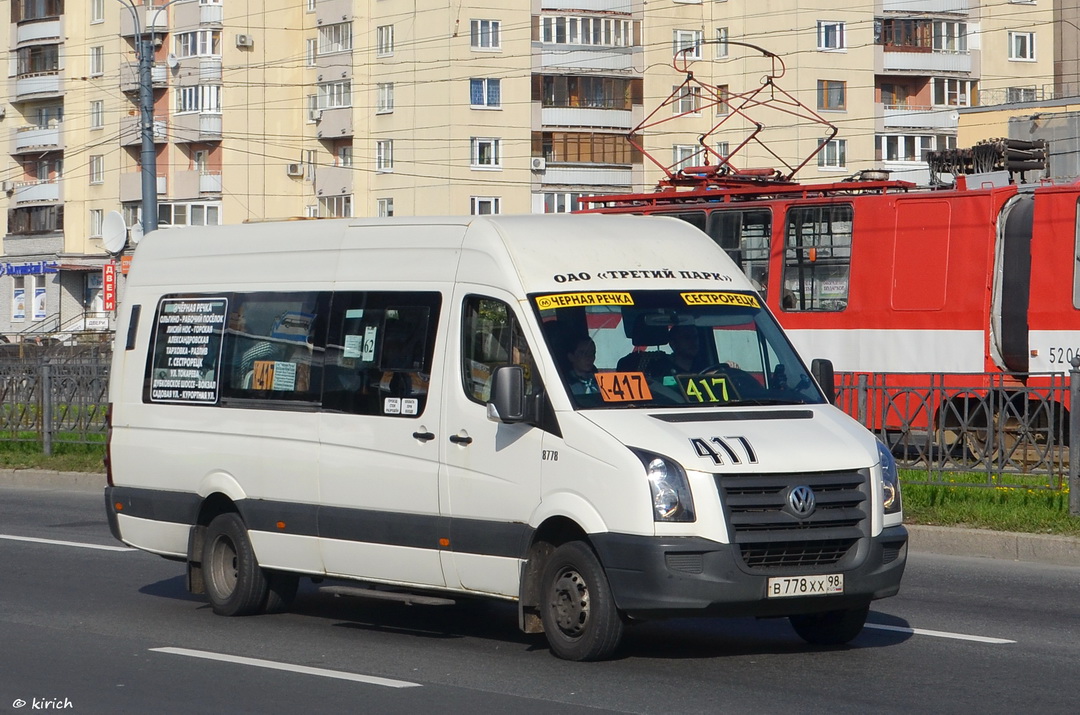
pixel 823 585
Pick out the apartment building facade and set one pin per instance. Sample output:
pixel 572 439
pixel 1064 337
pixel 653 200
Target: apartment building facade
pixel 265 109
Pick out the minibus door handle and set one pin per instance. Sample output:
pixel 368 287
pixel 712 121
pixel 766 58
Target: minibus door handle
pixel 460 439
pixel 423 436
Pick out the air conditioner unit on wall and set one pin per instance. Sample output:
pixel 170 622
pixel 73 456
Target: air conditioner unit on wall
pixel 245 41
pixel 294 169
pixel 538 163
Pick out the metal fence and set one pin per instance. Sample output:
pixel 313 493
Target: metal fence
pixel 53 394
pixel 973 430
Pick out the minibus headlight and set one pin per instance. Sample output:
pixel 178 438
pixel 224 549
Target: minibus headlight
pixel 670 489
pixel 890 480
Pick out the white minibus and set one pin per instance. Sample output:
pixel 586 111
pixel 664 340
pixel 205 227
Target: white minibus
pixel 594 417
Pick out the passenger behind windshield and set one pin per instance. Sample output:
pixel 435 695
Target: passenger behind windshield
pixel 671 348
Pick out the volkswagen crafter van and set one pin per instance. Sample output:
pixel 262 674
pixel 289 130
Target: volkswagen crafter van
pixel 490 406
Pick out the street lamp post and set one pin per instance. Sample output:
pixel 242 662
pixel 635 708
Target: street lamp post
pixel 145 53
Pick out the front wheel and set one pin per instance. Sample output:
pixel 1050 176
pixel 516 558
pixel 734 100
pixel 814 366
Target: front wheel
pixel 235 583
pixel 577 608
pixel 831 627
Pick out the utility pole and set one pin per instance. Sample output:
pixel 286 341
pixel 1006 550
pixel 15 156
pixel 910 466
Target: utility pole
pixel 145 54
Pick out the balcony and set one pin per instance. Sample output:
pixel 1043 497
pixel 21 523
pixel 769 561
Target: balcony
pixel 131 185
pixel 625 6
pixel 35 138
pixel 129 76
pixel 131 130
pixel 919 117
pixel 149 18
pixel 196 127
pixel 922 6
pixel 571 58
pixel 580 117
pixel 36 30
pixel 335 123
pixel 334 180
pixel 37 192
pixel 895 59
pixel 190 14
pixel 587 175
pixel 38 86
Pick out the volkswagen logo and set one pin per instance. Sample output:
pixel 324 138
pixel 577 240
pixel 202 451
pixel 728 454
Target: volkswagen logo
pixel 801 500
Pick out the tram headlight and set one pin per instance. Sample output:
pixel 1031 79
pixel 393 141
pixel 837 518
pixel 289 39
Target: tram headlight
pixel 890 480
pixel 670 489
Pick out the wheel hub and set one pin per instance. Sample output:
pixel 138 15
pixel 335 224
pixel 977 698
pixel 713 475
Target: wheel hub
pixel 570 602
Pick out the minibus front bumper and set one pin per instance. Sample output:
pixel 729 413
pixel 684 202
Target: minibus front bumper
pixel 670 576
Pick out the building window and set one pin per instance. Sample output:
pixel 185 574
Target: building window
pixel 384 102
pixel 953 92
pixel 345 155
pixel 721 42
pixel 199 98
pixel 335 38
pixel 312 52
pixel 483 205
pixel 596 31
pixel 97 216
pixel 43 59
pixel 384 155
pixel 684 155
pixel 335 207
pixel 97 10
pixel 723 149
pixel 335 94
pixel 950 37
pixel 689 40
pixel 1022 46
pixel 97 114
pixel 200 43
pixel 486 153
pixel 384 208
pixel 589 92
pixel 97 61
pixel 833 154
pixel 723 106
pixel 830 35
pixel 384 40
pixel 831 94
pixel 904 147
pixel 1021 94
pixel 485 93
pixel 180 215
pixel 97 169
pixel 584 148
pixel 688 100
pixel 484 34
pixel 563 202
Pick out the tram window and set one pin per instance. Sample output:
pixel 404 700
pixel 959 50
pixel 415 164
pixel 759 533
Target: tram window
pixel 694 218
pixel 745 236
pixel 817 258
pixel 1076 263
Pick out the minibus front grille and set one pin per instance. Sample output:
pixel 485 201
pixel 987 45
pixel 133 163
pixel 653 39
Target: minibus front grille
pixel 771 532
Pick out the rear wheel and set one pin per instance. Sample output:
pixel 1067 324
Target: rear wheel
pixel 577 607
pixel 281 591
pixel 831 627
pixel 235 583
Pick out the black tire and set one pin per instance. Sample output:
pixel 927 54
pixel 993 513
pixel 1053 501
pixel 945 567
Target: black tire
pixel 831 627
pixel 281 591
pixel 235 583
pixel 576 605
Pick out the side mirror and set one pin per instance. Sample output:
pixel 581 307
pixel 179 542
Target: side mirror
pixel 822 370
pixel 507 402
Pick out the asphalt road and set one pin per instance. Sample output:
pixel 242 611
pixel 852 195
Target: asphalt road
pixel 89 627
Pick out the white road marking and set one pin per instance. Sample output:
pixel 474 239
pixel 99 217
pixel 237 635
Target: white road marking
pixel 939 634
pixel 258 663
pixel 78 544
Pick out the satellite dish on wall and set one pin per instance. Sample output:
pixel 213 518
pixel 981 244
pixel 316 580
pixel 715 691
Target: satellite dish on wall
pixel 113 232
pixel 136 233
pixel 171 61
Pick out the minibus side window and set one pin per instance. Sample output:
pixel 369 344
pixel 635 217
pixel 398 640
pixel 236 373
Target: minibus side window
pixel 491 336
pixel 273 347
pixel 379 352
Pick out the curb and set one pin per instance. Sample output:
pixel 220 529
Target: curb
pixel 943 540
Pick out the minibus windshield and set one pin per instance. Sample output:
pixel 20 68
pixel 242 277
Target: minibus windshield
pixel 656 348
